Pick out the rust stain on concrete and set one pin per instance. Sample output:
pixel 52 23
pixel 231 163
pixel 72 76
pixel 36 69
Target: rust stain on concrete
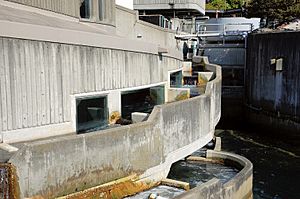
pixel 11 182
pixel 114 190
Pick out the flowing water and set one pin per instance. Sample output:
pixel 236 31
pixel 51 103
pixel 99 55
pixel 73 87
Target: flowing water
pixel 276 164
pixel 198 172
pixel 163 191
pixel 276 167
pixel 193 172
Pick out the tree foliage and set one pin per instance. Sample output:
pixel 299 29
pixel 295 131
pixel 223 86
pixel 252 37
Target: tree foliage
pixel 224 4
pixel 280 10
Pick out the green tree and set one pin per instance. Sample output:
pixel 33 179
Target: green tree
pixel 216 5
pixel 280 10
pixel 224 4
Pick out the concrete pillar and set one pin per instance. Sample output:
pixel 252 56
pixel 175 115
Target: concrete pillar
pixel 218 145
pixel 114 102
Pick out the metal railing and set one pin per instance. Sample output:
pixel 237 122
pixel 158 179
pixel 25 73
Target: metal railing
pixel 225 29
pixel 177 3
pixel 222 29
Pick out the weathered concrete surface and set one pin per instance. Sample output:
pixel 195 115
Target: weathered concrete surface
pixel 218 144
pixel 9 188
pixel 66 7
pixel 139 117
pixel 115 189
pixel 239 187
pixel 64 165
pixel 72 8
pixel 273 96
pixel 129 26
pixel 42 73
pixel 38 80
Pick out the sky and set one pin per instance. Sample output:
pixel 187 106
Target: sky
pixel 125 3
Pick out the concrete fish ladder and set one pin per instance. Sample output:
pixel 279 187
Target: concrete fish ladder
pixel 64 165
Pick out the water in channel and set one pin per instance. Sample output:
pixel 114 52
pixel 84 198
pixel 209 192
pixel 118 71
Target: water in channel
pixel 193 172
pixel 198 172
pixel 163 191
pixel 276 165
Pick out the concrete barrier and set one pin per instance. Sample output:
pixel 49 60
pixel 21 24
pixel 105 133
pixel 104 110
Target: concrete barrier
pixel 239 187
pixel 64 165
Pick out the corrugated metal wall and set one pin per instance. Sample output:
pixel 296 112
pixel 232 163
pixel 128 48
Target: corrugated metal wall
pixel 67 7
pixel 37 78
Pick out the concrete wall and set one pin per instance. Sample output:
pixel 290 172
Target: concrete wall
pixel 40 81
pixel 214 87
pixel 129 26
pixel 64 165
pixel 273 96
pixel 66 7
pixel 72 8
pixel 239 187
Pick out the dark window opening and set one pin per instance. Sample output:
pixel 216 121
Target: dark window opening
pixel 141 100
pixel 92 114
pixel 176 79
pixel 85 8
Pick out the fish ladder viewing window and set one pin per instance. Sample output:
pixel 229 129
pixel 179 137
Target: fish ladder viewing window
pixel 92 114
pixel 176 80
pixel 142 100
pixel 85 9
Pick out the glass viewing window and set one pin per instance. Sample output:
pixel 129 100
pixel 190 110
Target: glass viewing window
pixel 85 8
pixel 92 114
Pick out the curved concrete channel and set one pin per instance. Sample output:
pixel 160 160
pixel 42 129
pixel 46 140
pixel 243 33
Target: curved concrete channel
pixel 237 187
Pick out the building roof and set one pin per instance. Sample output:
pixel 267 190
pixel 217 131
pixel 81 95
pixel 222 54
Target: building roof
pixel 182 7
